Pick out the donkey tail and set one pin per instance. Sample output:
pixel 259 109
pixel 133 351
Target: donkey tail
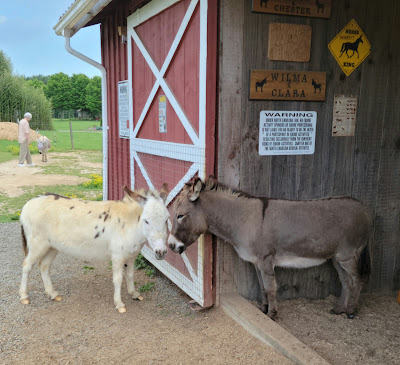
pixel 24 243
pixel 364 264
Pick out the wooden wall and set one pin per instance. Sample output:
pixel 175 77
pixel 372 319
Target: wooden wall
pixel 366 166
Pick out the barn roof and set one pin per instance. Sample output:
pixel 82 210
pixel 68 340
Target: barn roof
pixel 78 15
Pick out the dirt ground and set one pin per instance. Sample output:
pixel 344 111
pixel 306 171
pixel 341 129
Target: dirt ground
pixel 372 337
pixel 85 328
pixel 14 178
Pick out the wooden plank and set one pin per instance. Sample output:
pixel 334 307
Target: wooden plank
pixel 268 331
pixel 229 124
pixel 374 93
pixel 289 42
pixel 287 85
pixel 318 9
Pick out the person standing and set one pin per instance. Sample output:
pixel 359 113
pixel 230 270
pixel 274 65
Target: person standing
pixel 23 140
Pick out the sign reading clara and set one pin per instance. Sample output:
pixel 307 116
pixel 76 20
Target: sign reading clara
pixel 287 132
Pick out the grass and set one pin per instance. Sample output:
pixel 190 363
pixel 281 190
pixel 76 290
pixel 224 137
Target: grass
pixel 10 207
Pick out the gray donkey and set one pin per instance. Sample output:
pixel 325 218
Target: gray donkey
pixel 274 232
pixel 43 145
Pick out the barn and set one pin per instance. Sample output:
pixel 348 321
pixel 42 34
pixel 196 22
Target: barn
pixel 286 99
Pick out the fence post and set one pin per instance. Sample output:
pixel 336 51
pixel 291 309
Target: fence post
pixel 70 132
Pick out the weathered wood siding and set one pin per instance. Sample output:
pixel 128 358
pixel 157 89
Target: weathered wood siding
pixel 366 166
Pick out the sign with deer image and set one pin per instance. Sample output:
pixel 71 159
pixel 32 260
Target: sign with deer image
pixel 287 85
pixel 310 8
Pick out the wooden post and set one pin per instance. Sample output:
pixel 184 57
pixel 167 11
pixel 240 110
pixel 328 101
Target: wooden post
pixel 70 132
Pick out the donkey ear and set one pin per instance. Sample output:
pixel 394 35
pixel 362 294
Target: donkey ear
pixel 164 192
pixel 196 188
pixel 134 196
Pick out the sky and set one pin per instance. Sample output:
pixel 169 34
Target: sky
pixel 27 37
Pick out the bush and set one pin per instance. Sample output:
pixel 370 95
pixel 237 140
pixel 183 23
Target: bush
pixel 15 149
pixel 96 181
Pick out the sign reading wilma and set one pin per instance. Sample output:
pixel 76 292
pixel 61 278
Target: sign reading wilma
pixel 350 47
pixel 311 8
pixel 287 85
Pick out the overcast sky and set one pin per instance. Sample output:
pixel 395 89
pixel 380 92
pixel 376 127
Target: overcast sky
pixel 29 40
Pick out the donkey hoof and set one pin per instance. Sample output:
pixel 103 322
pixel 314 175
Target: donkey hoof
pixel 264 308
pixel 139 298
pixel 122 310
pixel 25 301
pixel 351 315
pixel 336 311
pixel 58 298
pixel 272 315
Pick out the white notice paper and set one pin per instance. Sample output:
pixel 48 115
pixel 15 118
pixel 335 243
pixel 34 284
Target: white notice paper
pixel 123 109
pixel 287 132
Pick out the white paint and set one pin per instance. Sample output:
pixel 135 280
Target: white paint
pixel 149 10
pixel 287 132
pixel 92 230
pixel 297 262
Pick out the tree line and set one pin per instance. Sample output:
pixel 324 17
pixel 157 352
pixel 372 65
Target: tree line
pixel 70 93
pixel 57 95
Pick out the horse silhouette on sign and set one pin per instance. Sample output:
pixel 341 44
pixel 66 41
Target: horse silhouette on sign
pixel 316 86
pixel 261 84
pixel 320 6
pixel 351 46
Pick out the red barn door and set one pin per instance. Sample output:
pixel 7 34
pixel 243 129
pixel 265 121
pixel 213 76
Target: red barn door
pixel 172 78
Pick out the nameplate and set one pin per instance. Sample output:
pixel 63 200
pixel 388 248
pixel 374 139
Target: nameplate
pixel 287 85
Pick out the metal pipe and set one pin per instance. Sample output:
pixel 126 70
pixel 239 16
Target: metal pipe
pixel 75 53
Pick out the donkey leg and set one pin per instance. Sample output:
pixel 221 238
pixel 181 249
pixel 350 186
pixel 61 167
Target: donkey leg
pixel 33 256
pixel 130 283
pixel 345 280
pixel 350 267
pixel 268 277
pixel 44 266
pixel 118 270
pixel 264 299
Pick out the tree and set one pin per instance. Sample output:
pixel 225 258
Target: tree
pixel 78 91
pixel 93 96
pixel 60 91
pixel 18 97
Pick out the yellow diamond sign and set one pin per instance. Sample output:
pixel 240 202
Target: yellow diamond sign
pixel 350 47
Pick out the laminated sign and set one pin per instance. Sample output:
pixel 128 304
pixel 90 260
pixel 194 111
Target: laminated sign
pixel 287 132
pixel 350 47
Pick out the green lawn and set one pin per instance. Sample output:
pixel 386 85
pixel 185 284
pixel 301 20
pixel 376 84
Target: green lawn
pixel 83 138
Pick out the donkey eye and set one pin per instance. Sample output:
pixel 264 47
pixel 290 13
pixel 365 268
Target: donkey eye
pixel 180 216
pixel 146 221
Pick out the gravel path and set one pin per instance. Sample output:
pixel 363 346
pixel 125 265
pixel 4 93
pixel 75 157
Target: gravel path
pixel 85 329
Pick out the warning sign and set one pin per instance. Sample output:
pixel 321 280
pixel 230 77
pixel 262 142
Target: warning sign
pixel 287 133
pixel 350 47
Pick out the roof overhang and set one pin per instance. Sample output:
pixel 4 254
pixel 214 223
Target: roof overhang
pixel 80 13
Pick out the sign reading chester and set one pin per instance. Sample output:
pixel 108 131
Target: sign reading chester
pixel 350 47
pixel 310 8
pixel 287 85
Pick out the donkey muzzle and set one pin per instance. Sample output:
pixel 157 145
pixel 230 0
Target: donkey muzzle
pixel 175 245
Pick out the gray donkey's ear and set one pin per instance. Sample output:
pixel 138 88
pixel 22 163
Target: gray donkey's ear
pixel 196 189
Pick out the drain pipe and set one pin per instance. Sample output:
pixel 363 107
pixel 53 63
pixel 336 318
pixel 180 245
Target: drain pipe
pixel 66 34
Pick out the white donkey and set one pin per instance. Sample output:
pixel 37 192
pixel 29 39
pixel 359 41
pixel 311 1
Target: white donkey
pixel 93 230
pixel 43 145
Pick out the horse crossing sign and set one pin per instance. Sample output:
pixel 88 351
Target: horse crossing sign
pixel 350 47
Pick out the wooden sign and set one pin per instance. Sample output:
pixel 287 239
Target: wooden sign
pixel 311 8
pixel 289 42
pixel 287 85
pixel 350 47
pixel 344 115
